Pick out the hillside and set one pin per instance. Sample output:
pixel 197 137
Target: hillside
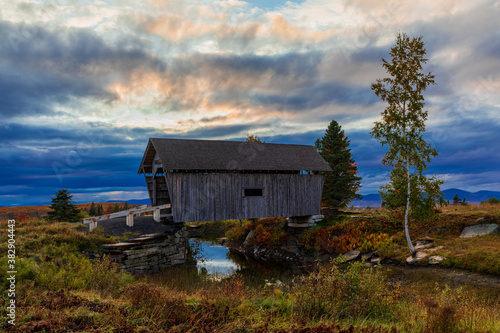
pixel 373 200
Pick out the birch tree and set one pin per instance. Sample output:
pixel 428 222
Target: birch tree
pixel 403 122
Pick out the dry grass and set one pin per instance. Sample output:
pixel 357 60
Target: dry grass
pixel 60 290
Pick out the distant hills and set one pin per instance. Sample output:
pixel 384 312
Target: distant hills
pixel 134 201
pixel 373 200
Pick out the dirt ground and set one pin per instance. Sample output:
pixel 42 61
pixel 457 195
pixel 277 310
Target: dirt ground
pixel 450 276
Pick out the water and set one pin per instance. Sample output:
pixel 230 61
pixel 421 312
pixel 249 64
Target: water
pixel 215 258
pixel 219 261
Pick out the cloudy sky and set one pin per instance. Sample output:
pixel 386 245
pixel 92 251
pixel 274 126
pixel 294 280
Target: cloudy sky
pixel 84 84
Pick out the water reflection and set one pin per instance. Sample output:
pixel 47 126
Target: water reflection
pixel 215 259
pixel 219 261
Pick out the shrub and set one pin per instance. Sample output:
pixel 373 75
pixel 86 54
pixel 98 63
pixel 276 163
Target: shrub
pixel 331 292
pixel 374 242
pixel 239 233
pixel 334 239
pixel 493 201
pixel 270 232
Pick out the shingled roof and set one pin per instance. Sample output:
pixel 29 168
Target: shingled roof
pixel 181 154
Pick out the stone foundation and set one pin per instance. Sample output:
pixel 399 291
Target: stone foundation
pixel 304 221
pixel 151 253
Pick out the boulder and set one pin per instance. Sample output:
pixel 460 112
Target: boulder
pixel 418 256
pixel 352 255
pixel 436 260
pixel 367 256
pixel 480 230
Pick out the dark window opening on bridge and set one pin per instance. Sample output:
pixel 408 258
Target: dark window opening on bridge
pixel 253 192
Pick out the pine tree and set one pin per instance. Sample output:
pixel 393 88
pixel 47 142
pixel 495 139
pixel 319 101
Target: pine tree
pixel 125 206
pixel 342 183
pixel 63 209
pixel 92 210
pixel 116 207
pixel 456 199
pixel 100 210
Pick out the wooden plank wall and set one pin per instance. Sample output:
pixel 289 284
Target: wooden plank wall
pixel 209 197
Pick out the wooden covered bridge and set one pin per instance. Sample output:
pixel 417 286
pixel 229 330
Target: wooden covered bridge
pixel 203 180
pixel 218 180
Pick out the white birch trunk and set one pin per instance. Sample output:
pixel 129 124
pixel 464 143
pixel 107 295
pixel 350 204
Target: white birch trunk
pixel 410 245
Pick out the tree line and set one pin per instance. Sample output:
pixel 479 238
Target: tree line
pixel 64 209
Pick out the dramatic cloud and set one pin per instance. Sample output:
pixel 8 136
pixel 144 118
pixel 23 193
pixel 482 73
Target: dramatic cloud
pixel 84 84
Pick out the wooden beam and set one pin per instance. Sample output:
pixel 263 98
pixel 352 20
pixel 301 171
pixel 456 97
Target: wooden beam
pixel 92 221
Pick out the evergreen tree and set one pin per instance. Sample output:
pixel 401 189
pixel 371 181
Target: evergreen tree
pixel 92 210
pixel 62 208
pixel 125 206
pixel 116 207
pixel 456 199
pixel 100 210
pixel 342 183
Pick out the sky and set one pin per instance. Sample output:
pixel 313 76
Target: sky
pixel 84 84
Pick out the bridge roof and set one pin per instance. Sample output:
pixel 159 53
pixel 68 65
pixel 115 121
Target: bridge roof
pixel 191 155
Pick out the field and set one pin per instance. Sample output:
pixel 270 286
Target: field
pixel 59 289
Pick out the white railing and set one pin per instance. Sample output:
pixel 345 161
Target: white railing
pixel 92 221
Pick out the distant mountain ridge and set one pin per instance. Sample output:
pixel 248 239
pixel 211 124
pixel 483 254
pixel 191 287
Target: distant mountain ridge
pixel 373 200
pixel 134 201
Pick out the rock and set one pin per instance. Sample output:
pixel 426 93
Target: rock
pixel 352 255
pixel 418 256
pixel 369 255
pixel 376 261
pixel 247 239
pixel 434 249
pixel 419 245
pixel 480 230
pixel 436 260
pixel 481 220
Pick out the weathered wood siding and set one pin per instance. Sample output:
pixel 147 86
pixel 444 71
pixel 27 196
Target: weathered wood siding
pixel 209 197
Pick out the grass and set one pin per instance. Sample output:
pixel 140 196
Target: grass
pixel 60 290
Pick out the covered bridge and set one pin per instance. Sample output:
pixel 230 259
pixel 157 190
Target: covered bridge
pixel 216 180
